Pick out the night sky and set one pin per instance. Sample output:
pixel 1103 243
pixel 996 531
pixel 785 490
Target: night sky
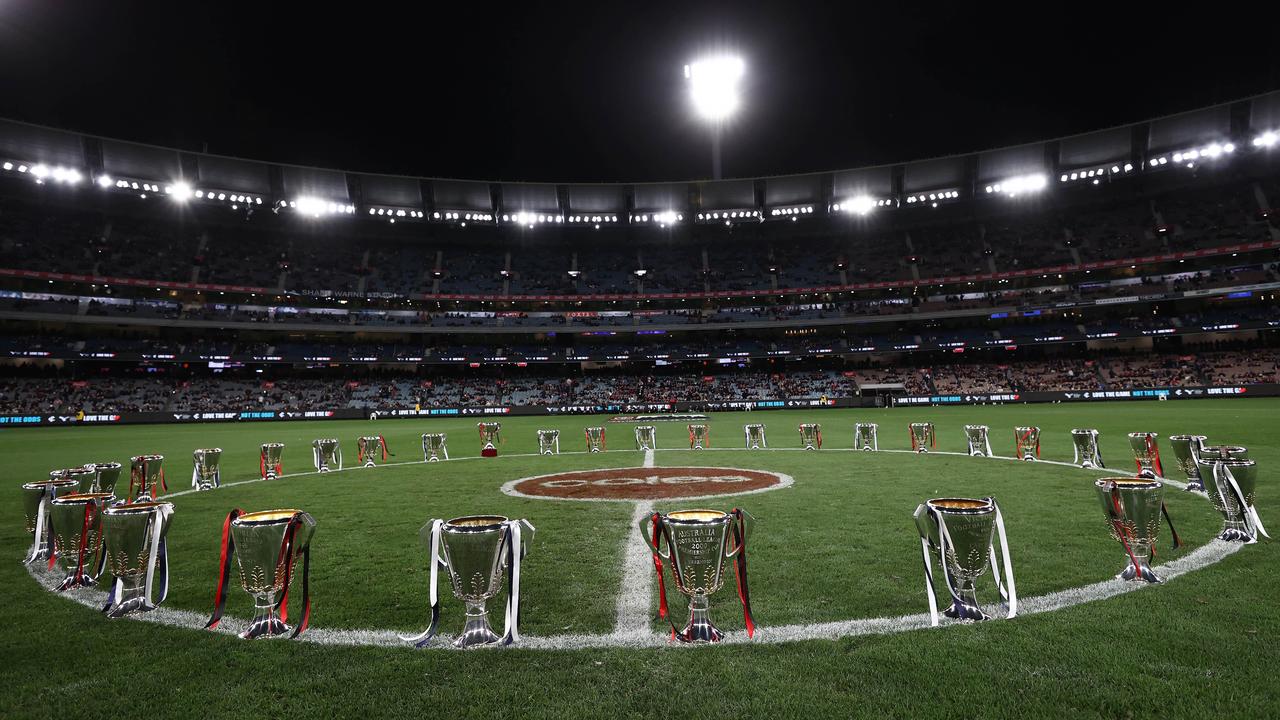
pixel 596 93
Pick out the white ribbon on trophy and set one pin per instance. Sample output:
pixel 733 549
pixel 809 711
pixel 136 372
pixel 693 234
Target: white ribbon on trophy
pixel 157 562
pixel 1008 589
pixel 1252 522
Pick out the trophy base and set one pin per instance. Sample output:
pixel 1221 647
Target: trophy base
pixel 1088 465
pixel 1147 474
pixel 699 629
pixel 965 611
pixel 1142 573
pixel 270 476
pixel 476 632
pixel 265 628
pixel 867 449
pixel 76 581
pixel 323 469
pixel 41 556
pixel 369 463
pixel 1029 458
pixel 1194 485
pixel 1236 535
pixel 922 451
pixel 132 606
pixel 433 459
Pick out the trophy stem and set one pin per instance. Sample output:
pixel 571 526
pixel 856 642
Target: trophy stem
pixel 965 607
pixel 1142 571
pixel 1235 531
pixel 132 598
pixel 265 622
pixel 700 627
pixel 477 630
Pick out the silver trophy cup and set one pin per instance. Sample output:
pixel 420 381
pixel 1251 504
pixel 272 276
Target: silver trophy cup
pixel 207 471
pixel 270 458
pixel 548 442
pixel 959 533
pixel 137 558
pixel 1146 452
pixel 434 447
pixel 1085 444
pixel 326 454
pixel 978 439
pixel 646 437
pixel 595 439
pixel 1186 450
pixel 108 475
pixel 923 438
pixel 84 477
pixel 1132 507
pixel 699 437
pixel 755 436
pixel 1027 442
pixel 864 437
pixel 77 537
pixel 36 497
pixel 1231 485
pixel 490 434
pixel 369 449
pixel 146 476
pixel 268 545
pixel 810 436
pixel 698 542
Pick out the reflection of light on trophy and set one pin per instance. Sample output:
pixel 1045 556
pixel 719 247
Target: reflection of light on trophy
pixel 923 438
pixel 811 436
pixel 77 537
pixel 595 439
pixel 1084 441
pixel 137 556
pixel 697 544
pixel 146 473
pixel 266 547
pixel 1230 485
pixel 646 437
pixel 1146 452
pixel 36 497
pixel 1133 507
pixel 864 437
pixel 755 436
pixel 1186 450
pixel 699 437
pixel 959 532
pixel 978 439
pixel 369 448
pixel 206 473
pixel 479 552
pixel 548 442
pixel 434 447
pixel 326 454
pixel 270 458
pixel 1026 441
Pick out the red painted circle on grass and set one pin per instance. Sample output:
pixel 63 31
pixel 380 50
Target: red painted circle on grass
pixel 647 483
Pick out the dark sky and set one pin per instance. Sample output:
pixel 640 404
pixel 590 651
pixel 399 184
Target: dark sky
pixel 554 92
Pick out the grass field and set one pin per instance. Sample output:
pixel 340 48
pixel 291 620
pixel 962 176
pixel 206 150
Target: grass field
pixel 838 545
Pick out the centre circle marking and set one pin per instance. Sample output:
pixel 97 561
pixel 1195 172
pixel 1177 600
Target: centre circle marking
pixel 647 483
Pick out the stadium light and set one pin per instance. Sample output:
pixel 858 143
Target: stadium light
pixel 713 89
pixel 861 205
pixel 179 191
pixel 1019 185
pixel 1266 139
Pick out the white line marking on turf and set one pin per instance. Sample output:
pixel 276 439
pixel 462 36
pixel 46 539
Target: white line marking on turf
pixel 632 609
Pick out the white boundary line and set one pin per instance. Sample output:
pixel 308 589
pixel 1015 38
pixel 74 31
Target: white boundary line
pixel 631 618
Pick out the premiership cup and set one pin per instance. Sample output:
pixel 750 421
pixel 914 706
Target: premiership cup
pixel 434 447
pixel 923 438
pixel 595 439
pixel 1223 452
pixel 83 476
pixel 699 437
pixel 978 439
pixel 477 551
pixel 269 460
pixel 1146 452
pixel 1230 485
pixel 1085 443
pixel 368 448
pixel 698 543
pixel 811 436
pixel 265 547
pixel 755 436
pixel 548 442
pixel 1133 507
pixel 646 437
pixel 136 556
pixel 76 519
pixel 108 474
pixel 146 473
pixel 36 497
pixel 959 532
pixel 1027 442
pixel 326 454
pixel 1186 450
pixel 207 473
pixel 490 436
pixel 864 437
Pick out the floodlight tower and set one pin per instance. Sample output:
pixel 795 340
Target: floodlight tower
pixel 713 87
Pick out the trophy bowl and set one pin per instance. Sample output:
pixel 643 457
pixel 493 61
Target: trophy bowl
pixel 1224 452
pixel 270 457
pixel 1132 507
pixel 326 454
pixel 76 519
pixel 146 473
pixel 207 473
pixel 1084 442
pixel 267 547
pixel 84 477
pixel 1146 452
pixel 472 548
pixel 36 497
pixel 1186 451
pixel 136 556
pixel 698 543
pixel 1230 485
pixel 959 531
pixel 108 475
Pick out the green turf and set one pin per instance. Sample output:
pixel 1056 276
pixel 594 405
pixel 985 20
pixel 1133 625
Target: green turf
pixel 837 545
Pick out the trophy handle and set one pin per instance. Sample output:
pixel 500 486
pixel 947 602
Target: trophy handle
pixel 748 523
pixel 646 532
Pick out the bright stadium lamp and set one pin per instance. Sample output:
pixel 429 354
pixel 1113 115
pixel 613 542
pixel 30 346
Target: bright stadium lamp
pixel 713 88
pixel 181 191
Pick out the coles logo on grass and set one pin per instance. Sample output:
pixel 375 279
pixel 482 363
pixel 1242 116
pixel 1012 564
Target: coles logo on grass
pixel 646 483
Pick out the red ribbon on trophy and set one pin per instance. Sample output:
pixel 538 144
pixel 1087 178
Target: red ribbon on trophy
pixel 1153 451
pixel 740 565
pixel 224 565
pixel 286 556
